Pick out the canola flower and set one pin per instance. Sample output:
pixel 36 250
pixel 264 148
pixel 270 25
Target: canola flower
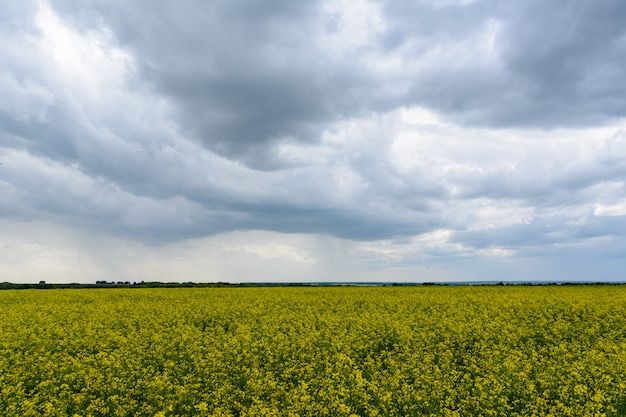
pixel 374 351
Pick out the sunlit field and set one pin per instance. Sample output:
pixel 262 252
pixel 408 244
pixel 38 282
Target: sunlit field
pixel 306 351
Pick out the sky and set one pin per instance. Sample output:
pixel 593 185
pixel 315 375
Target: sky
pixel 340 140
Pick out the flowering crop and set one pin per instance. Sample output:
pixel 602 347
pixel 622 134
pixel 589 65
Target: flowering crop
pixel 373 351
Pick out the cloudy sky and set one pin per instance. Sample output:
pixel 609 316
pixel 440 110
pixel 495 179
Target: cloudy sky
pixel 340 140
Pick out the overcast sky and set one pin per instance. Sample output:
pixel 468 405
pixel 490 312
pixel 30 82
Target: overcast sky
pixel 356 140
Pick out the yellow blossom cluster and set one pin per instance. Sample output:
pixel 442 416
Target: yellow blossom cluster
pixel 309 351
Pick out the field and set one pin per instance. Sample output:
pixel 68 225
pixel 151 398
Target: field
pixel 371 351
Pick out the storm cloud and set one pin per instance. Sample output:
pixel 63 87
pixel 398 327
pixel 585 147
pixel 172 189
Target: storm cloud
pixel 407 133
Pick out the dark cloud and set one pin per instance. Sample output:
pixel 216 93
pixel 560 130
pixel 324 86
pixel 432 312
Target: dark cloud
pixel 187 119
pixel 245 76
pixel 556 65
pixel 571 58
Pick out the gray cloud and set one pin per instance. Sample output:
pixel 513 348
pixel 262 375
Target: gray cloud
pixel 246 76
pixel 243 76
pixel 555 65
pixel 158 122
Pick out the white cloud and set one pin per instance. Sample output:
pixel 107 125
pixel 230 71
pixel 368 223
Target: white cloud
pixel 350 25
pixel 87 62
pixel 611 210
pixel 274 251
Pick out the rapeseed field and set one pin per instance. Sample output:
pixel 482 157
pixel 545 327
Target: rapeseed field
pixel 372 351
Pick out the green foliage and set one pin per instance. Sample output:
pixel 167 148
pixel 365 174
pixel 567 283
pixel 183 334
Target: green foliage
pixel 374 351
